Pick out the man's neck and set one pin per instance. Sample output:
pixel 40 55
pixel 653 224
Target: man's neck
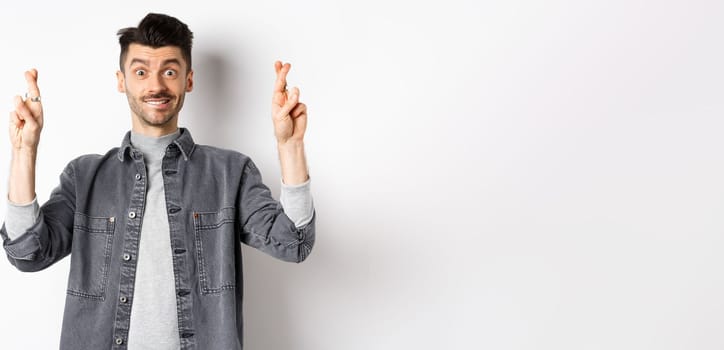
pixel 152 147
pixel 154 131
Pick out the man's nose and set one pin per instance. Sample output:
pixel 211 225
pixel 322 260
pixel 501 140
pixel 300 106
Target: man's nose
pixel 156 83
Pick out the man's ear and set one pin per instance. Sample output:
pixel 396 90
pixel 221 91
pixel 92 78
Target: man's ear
pixel 190 81
pixel 121 81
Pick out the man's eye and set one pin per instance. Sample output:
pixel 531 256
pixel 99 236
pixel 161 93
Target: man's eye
pixel 140 72
pixel 170 72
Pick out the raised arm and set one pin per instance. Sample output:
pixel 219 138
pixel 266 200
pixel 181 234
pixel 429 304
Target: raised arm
pixel 26 122
pixel 30 242
pixel 290 122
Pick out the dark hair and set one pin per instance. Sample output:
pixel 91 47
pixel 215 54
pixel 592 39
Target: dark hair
pixel 157 30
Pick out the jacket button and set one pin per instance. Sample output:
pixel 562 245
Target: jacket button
pixel 119 341
pixel 138 176
pixel 174 210
pixel 123 299
pixel 183 292
pixel 126 257
pixel 132 214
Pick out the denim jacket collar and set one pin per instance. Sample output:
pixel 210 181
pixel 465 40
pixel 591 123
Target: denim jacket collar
pixel 184 142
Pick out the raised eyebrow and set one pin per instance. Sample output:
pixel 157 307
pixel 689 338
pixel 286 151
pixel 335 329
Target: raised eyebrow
pixel 167 62
pixel 138 60
pixel 171 61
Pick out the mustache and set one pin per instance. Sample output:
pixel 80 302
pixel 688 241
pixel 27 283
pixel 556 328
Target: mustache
pixel 158 96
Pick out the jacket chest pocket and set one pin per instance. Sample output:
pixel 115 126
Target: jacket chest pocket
pixel 214 234
pixel 91 256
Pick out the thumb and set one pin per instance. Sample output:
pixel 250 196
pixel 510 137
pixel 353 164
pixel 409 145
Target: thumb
pixel 24 113
pixel 292 101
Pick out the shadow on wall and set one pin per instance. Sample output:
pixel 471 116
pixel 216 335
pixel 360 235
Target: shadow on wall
pixel 210 112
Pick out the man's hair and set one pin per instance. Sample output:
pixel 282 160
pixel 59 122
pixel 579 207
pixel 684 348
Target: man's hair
pixel 157 30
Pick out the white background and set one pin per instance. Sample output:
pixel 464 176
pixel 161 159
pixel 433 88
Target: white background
pixel 487 174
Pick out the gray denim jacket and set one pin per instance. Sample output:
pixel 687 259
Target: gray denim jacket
pixel 215 199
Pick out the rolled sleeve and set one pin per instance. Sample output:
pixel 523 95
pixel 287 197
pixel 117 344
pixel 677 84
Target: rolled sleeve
pixel 49 238
pixel 20 217
pixel 297 202
pixel 266 226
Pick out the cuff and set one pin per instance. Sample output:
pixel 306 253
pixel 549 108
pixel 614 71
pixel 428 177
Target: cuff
pixel 21 217
pixel 297 202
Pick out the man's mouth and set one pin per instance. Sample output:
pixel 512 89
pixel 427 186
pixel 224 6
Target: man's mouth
pixel 157 101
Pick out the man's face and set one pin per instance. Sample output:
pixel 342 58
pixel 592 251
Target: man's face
pixel 155 82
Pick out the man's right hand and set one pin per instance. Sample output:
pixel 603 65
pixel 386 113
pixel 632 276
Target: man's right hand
pixel 26 121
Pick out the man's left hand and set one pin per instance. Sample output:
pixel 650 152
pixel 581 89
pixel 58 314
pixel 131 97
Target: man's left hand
pixel 289 115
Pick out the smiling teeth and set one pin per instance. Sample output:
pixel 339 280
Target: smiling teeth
pixel 157 102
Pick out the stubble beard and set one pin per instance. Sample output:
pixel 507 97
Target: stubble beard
pixel 136 104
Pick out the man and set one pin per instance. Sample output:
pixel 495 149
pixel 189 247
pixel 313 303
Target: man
pixel 153 226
